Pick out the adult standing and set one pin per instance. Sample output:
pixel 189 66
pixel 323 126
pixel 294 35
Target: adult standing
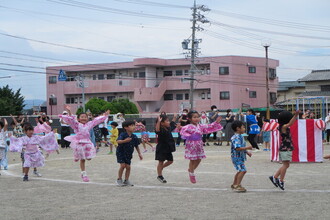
pixel 327 128
pixel 229 132
pixel 65 131
pixel 119 118
pixel 183 120
pixel 213 115
pixel 43 118
pixel 253 128
pixel 104 131
pixel 204 121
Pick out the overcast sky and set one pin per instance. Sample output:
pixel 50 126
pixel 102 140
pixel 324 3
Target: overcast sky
pixel 121 30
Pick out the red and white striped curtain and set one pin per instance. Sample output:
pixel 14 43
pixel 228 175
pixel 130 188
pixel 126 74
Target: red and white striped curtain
pixel 306 139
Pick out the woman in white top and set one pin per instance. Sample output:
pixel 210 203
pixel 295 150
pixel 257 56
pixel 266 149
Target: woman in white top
pixel 65 131
pixel 119 118
pixel 204 121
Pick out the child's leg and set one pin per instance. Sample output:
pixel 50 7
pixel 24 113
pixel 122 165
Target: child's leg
pixel 122 166
pixel 193 164
pixel 128 171
pixel 160 168
pixel 282 171
pixel 82 165
pixel 235 179
pixel 147 142
pixel 26 170
pixel 268 145
pixel 144 145
pixel 240 176
pixel 167 163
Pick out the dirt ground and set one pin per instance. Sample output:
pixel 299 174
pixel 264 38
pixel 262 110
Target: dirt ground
pixel 60 193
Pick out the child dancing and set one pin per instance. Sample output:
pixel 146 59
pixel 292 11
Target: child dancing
pixel 238 155
pixel 192 133
pixel 166 144
pixel 285 120
pixel 3 143
pixel 30 144
pixel 141 126
pixel 81 144
pixel 114 136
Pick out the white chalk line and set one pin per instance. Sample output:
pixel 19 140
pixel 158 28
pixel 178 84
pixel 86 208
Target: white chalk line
pixel 178 188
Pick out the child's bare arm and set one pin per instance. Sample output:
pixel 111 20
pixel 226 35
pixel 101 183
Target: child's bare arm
pixel 291 122
pixel 157 128
pixel 124 141
pixel 243 148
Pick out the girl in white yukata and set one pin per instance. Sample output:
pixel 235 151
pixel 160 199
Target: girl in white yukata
pixel 81 144
pixel 193 132
pixel 3 144
pixel 30 145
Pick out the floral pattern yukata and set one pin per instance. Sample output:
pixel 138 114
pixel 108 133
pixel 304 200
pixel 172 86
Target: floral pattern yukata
pixel 81 143
pixel 193 134
pixel 30 145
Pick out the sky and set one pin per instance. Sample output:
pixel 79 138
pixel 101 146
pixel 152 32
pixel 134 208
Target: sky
pixel 35 34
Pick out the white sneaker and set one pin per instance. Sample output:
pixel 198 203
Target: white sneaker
pixel 36 173
pixel 119 182
pixel 127 183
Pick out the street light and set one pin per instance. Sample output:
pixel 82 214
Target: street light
pixel 52 101
pixel 266 45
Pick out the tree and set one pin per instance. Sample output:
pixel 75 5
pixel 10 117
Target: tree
pixel 11 102
pixel 97 106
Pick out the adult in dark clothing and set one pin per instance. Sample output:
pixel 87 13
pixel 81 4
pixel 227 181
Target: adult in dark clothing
pixel 229 132
pixel 183 120
pixel 213 115
pixel 65 131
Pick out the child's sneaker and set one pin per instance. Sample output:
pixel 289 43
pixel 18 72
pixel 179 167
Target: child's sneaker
pixel 207 144
pixel 127 183
pixel 36 173
pixel 145 151
pixel 274 180
pixel 26 178
pixel 192 177
pixel 280 184
pixel 161 179
pixel 240 188
pixel 85 178
pixel 110 152
pixel 233 187
pixel 119 182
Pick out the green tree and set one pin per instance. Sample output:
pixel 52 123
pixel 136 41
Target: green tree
pixel 97 106
pixel 11 102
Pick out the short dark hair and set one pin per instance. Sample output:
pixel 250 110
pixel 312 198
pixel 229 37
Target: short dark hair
pixel 213 106
pixel 114 123
pixel 236 124
pixel 128 123
pixel 252 111
pixel 28 128
pixel 2 124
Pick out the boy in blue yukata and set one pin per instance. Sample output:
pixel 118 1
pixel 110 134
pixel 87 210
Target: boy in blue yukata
pixel 127 141
pixel 238 155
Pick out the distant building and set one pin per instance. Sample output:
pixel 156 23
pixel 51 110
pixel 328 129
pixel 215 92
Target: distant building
pixel 163 84
pixel 289 89
pixel 317 83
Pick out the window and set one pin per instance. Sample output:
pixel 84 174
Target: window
pixel 100 76
pixel 70 100
pixel 272 73
pixel 168 73
pixel 135 75
pixel 120 82
pixel 168 96
pixel 101 97
pixel 186 96
pixel 111 76
pixel 142 74
pixel 252 69
pixel 224 95
pixel 179 97
pixel 70 78
pixel 272 97
pixel 178 73
pixel 203 95
pixel 325 88
pixel 111 98
pixel 224 70
pixel 52 79
pixel 186 72
pixel 94 77
pixel 208 95
pixel 253 94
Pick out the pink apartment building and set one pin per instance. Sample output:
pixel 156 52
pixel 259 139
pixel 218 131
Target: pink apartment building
pixel 162 85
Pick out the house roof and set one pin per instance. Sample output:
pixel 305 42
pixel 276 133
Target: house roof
pixel 315 93
pixel 286 85
pixel 316 75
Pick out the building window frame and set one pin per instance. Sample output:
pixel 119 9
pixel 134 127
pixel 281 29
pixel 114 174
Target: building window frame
pixel 225 95
pixel 168 97
pixel 252 69
pixel 52 79
pixel 224 70
pixel 252 94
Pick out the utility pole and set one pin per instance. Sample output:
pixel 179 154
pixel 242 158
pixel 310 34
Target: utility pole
pixel 82 84
pixel 266 46
pixel 194 49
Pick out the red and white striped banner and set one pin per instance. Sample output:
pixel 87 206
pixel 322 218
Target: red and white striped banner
pixel 306 139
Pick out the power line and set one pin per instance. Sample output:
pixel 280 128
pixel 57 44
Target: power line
pixel 142 2
pixel 78 4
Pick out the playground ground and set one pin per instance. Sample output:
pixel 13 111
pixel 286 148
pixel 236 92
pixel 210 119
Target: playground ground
pixel 60 193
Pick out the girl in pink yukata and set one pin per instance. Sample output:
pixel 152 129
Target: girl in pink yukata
pixel 81 144
pixel 30 145
pixel 193 133
pixel 145 139
pixel 44 128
